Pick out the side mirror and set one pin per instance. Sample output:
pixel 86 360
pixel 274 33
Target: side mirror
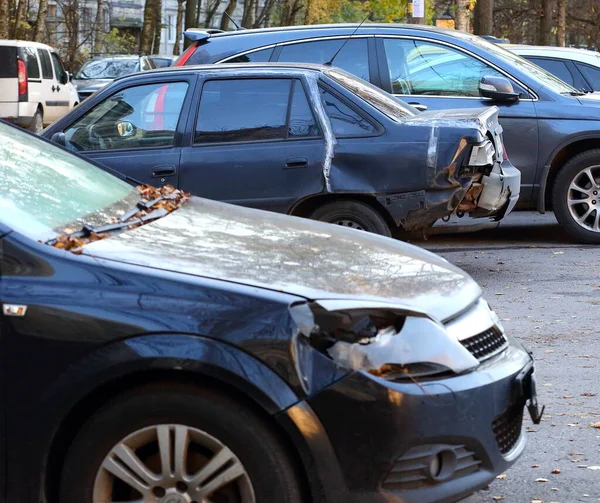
pixel 497 88
pixel 64 78
pixel 59 139
pixel 125 129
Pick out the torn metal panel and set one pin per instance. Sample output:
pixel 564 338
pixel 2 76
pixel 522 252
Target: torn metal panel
pixel 325 123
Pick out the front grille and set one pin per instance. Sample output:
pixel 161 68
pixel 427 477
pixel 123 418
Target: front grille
pixel 507 428
pixel 410 471
pixel 486 344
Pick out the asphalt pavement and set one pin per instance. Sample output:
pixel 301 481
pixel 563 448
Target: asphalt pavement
pixel 546 290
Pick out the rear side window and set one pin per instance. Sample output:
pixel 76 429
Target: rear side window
pixel 555 67
pixel 344 120
pixel 31 63
pixel 261 56
pixel 46 64
pixel 354 57
pixel 302 120
pixel 243 110
pixel 592 75
pixel 8 56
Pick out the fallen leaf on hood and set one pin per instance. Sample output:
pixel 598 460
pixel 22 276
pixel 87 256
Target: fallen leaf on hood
pixel 587 393
pixel 541 480
pixel 595 425
pixel 593 467
pixel 535 466
pixel 556 470
pixel 501 477
pixel 536 501
pixel 499 293
pixel 558 253
pixel 497 498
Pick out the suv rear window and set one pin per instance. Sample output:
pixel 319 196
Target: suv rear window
pixel 8 56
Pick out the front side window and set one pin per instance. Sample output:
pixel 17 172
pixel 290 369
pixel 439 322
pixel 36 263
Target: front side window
pixel 592 75
pixel 59 71
pixel 45 190
pixel 422 68
pixel 354 56
pixel 240 110
pixel 555 67
pixel 46 64
pixel 31 63
pixel 136 117
pixel 345 121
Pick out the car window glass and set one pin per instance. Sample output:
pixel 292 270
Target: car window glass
pixel 353 58
pixel 243 110
pixel 592 74
pixel 108 68
pixel 422 68
pixel 302 120
pixel 136 117
pixel 261 56
pixel 31 62
pixel 555 67
pixel 46 64
pixel 344 120
pixel 59 71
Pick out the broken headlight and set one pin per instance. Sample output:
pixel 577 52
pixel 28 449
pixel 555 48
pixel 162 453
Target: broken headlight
pixel 381 340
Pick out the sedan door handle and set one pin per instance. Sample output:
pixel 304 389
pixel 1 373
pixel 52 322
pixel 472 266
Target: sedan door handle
pixel 162 171
pixel 296 162
pixel 418 106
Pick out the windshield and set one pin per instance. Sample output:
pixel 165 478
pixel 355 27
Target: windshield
pixel 550 81
pixel 108 68
pixel 45 191
pixel 374 96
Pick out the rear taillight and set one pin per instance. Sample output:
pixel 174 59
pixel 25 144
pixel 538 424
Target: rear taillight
pixel 22 74
pixel 186 55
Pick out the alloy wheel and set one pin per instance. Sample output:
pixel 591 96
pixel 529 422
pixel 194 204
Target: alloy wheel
pixel 583 198
pixel 172 463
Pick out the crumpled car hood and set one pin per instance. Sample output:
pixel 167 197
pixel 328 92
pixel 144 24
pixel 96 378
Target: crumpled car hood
pixel 481 119
pixel 294 255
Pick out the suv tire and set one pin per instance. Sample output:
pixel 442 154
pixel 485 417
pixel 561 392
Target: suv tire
pixel 353 215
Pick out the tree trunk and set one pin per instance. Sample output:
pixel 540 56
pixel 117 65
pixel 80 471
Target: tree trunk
pixel 18 19
pixel 178 27
pixel 147 35
pixel 99 27
pixel 484 17
pixel 71 15
pixel 248 14
pixel 462 15
pixel 4 19
pixel 211 10
pixel 230 9
pixel 546 22
pixel 40 25
pixel 562 23
pixel 157 26
pixel 190 19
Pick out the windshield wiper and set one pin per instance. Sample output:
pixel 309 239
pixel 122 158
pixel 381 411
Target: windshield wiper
pixel 577 93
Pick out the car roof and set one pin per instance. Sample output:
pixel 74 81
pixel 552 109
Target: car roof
pixel 575 53
pixel 25 43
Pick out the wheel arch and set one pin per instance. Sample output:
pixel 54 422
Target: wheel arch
pixel 561 155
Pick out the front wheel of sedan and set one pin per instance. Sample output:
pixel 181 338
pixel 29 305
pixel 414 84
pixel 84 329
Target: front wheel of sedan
pixel 576 197
pixel 353 215
pixel 170 444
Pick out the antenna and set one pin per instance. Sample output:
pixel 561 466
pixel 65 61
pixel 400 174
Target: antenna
pixel 329 63
pixel 237 26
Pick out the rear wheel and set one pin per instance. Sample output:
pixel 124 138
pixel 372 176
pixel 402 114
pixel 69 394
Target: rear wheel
pixel 576 197
pixel 165 444
pixel 37 123
pixel 353 215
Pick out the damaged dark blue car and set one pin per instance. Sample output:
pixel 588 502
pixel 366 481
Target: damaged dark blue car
pixel 301 139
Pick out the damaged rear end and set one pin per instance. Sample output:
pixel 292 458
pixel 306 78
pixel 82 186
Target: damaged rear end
pixel 467 170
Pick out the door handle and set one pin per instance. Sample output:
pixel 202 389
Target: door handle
pixel 162 171
pixel 418 106
pixel 296 162
pixel 57 88
pixel 53 88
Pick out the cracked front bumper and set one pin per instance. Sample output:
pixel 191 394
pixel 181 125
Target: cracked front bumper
pixel 500 192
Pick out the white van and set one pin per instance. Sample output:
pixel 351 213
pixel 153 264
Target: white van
pixel 35 89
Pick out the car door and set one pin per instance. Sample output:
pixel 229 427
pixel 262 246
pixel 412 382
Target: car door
pixel 136 130
pixel 51 105
pixel 61 94
pixel 441 76
pixel 256 143
pixel 38 90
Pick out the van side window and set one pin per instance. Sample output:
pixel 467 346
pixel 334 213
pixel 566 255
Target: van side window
pixel 59 71
pixel 31 63
pixel 46 64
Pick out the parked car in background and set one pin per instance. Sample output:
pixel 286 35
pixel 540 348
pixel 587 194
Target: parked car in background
pixel 163 61
pixel 101 70
pixel 306 140
pixel 190 350
pixel 496 40
pixel 577 67
pixel 551 129
pixel 35 89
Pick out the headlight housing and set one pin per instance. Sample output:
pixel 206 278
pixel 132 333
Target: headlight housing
pixel 482 155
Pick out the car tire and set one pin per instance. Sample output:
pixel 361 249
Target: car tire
pixel 217 427
pixel 37 123
pixel 354 215
pixel 572 216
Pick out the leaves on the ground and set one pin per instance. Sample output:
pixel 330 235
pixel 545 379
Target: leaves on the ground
pixel 501 477
pixel 595 425
pixel 535 466
pixel 556 471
